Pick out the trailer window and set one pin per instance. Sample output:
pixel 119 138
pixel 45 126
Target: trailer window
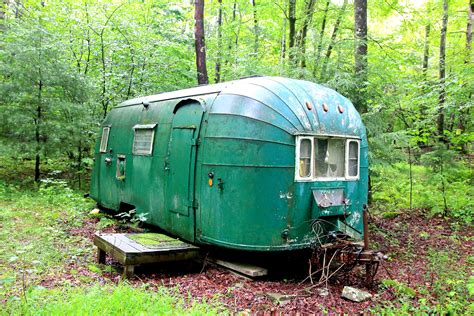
pixel 352 159
pixel 120 171
pixel 143 140
pixel 105 139
pixel 327 158
pixel 329 162
pixel 305 158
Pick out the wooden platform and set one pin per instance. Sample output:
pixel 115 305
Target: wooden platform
pixel 134 249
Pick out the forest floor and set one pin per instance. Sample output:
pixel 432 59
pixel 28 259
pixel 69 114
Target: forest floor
pixel 430 265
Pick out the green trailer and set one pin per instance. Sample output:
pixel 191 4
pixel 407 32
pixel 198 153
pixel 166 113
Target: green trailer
pixel 257 164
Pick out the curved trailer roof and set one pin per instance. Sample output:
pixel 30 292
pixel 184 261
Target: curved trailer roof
pixel 308 107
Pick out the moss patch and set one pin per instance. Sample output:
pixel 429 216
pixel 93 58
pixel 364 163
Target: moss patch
pixel 153 239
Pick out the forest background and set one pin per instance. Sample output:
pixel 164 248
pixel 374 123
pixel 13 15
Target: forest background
pixel 406 65
pixel 65 64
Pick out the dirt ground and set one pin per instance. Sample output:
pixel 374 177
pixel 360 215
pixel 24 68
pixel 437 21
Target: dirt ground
pixel 407 239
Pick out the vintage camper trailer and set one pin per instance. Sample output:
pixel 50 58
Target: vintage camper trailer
pixel 258 164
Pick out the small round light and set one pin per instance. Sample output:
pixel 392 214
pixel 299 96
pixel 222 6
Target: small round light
pixel 325 107
pixel 341 109
pixel 309 106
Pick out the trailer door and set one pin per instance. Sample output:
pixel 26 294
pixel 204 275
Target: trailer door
pixel 181 169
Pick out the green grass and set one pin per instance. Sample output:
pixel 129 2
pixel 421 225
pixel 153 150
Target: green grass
pixel 36 224
pixel 122 299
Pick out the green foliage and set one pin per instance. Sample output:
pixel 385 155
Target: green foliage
pixel 122 299
pixel 451 286
pixel 390 187
pixel 390 214
pixel 449 291
pixel 105 222
pixel 400 289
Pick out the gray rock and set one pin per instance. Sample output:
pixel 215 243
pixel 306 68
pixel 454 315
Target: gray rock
pixel 355 295
pixel 323 292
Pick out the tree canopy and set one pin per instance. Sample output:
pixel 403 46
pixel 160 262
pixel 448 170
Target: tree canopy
pixel 66 63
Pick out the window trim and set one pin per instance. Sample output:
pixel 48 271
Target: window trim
pixel 104 144
pixel 311 161
pixel 347 139
pixel 346 172
pixel 143 127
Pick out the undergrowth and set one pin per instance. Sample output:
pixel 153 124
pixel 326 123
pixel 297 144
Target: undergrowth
pixel 391 189
pixel 47 269
pixel 447 290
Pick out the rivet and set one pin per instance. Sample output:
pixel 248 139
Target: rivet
pixel 325 107
pixel 341 109
pixel 309 106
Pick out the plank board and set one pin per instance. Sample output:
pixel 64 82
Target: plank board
pixel 243 268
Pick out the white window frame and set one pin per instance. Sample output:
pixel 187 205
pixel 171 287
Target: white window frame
pixel 312 176
pixel 356 177
pixel 143 127
pixel 299 139
pixel 104 141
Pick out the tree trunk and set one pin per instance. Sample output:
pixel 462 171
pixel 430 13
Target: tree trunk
pixel 38 115
pixel 2 15
pixel 37 121
pixel 442 72
pixel 426 56
pixel 426 51
pixel 360 25
pixel 321 36
pixel 309 11
pixel 464 112
pixel 333 40
pixel 470 18
pixel 104 100
pixel 234 14
pixel 283 42
pixel 88 40
pixel 255 28
pixel 200 43
pixel 292 27
pixel 219 44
